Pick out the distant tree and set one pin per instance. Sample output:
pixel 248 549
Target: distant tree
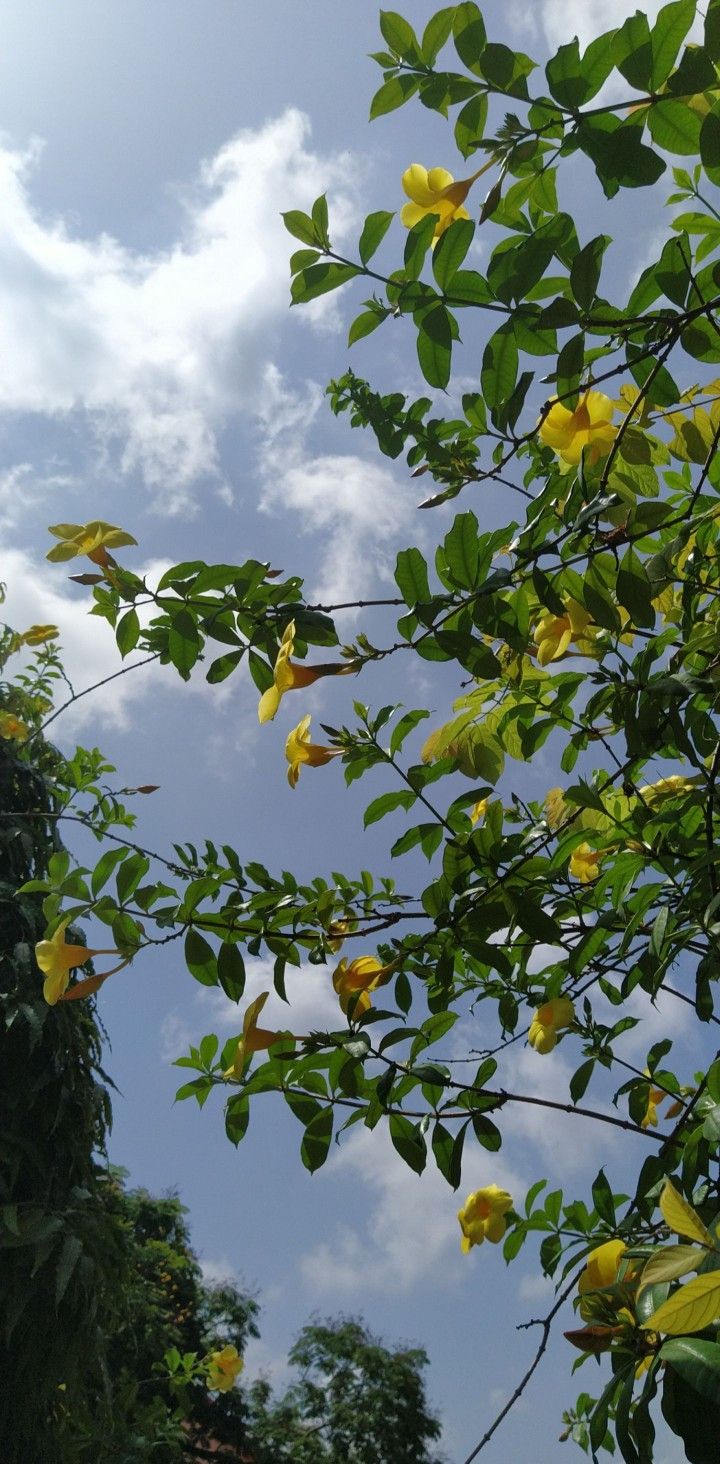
pixel 356 1402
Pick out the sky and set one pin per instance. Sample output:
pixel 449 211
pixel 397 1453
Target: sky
pixel 152 374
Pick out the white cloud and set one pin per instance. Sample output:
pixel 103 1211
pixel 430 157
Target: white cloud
pixel 359 508
pixel 313 1003
pixel 218 1272
pixel 590 18
pixel 34 596
pixel 411 1231
pixel 158 349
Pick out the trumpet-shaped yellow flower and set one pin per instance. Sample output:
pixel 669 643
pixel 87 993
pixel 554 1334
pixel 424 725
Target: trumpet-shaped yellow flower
pixel 655 794
pixel 483 1216
pixel 585 863
pixel 435 191
pixel 588 426
pixel 36 635
pixel 478 810
pixel 601 1267
pixel 93 540
pixel 556 809
pixel 354 980
pixel 554 634
pixel 299 749
pixel 254 1038
pixel 548 1020
pixel 12 728
pixel 288 675
pixel 223 1368
pixel 57 959
pixel 655 1096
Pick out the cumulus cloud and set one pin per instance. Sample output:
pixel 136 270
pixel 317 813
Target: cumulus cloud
pixel 589 18
pixel 160 349
pixel 359 509
pixel 313 1003
pixel 36 596
pixel 411 1231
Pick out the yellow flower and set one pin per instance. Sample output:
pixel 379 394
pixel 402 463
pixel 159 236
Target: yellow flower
pixel 254 1038
pixel 299 749
pixel 223 1368
pixel 287 675
pixel 601 1267
pixel 556 809
pixel 57 959
pixel 354 980
pixel 585 863
pixel 478 810
pixel 12 729
pixel 655 1096
pixel 38 634
pixel 588 426
pixel 554 634
pixel 483 1216
pixel 547 1022
pixel 93 539
pixel 655 794
pixel 435 191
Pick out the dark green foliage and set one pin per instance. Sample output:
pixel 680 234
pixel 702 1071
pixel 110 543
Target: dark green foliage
pixel 357 1402
pixel 57 1243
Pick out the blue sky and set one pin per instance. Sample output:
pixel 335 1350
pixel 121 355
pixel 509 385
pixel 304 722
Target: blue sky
pixel 152 374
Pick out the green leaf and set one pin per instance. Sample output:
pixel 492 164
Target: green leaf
pixel 470 124
pixel 374 230
pixel 387 803
pixel 603 1198
pixel 399 35
pixel 200 959
pixel 499 368
pixel 237 1117
pixel 690 1309
pixel 393 94
pixel 697 1426
pixel 486 1132
pixel 668 33
pixel 447 1149
pixel 698 1363
pixel 469 36
pixel 585 270
pixel 565 77
pixel 411 577
pixel 675 127
pixel 632 51
pixel 316 1140
pixel 231 970
pixel 710 141
pixel 434 346
pixel 223 667
pixel 417 244
pixel 127 633
pixel 301 226
pixel 70 1253
pixel 320 279
pixel 580 1079
pixel 634 590
pixel 408 1142
pixel 183 642
pixel 461 550
pixel 404 727
pixel 451 250
pixel 104 868
pixel 364 324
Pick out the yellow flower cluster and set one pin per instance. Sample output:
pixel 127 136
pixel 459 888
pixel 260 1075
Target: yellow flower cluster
pixel 548 1020
pixel 554 634
pixel 354 980
pixel 587 428
pixel 56 959
pixel 12 728
pixel 482 1217
pixel 435 191
pixel 92 540
pixel 223 1368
